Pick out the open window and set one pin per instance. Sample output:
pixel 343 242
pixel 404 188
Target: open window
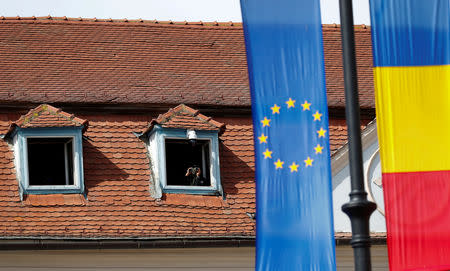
pixel 188 162
pixel 183 146
pixel 50 161
pixel 183 165
pixel 48 151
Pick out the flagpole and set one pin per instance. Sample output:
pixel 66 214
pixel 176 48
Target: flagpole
pixel 358 208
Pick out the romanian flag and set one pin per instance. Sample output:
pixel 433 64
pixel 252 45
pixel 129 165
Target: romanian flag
pixel 411 47
pixel 294 223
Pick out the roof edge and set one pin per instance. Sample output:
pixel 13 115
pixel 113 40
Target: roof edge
pixel 39 242
pixel 50 18
pixel 339 159
pixel 27 243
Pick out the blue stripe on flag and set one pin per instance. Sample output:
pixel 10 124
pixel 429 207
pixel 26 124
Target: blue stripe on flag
pixel 294 228
pixel 410 32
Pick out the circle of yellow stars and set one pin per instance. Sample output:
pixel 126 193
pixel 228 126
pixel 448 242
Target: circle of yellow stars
pixel 308 162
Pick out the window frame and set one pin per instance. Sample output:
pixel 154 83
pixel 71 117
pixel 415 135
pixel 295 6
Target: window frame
pixel 21 154
pixel 157 149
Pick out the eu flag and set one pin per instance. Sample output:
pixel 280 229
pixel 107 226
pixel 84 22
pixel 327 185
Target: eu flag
pixel 294 223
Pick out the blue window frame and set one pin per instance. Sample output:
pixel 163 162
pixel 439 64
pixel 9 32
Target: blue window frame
pixel 49 160
pixel 162 144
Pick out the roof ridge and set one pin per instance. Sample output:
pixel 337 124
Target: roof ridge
pixel 356 26
pixel 125 20
pixel 142 21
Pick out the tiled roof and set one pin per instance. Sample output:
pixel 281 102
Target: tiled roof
pixel 334 68
pixel 118 202
pixel 338 133
pixel 185 117
pixel 376 237
pixel 47 116
pixel 64 60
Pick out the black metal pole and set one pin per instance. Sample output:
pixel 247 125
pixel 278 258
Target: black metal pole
pixel 359 208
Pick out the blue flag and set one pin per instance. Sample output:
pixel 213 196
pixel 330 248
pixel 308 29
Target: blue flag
pixel 294 219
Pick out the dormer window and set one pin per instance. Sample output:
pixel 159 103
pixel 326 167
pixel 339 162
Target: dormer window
pixel 48 151
pixel 50 161
pixel 184 152
pixel 188 162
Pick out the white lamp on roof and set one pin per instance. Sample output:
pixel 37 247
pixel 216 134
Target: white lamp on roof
pixel 192 136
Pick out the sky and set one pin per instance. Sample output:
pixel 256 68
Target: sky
pixel 164 10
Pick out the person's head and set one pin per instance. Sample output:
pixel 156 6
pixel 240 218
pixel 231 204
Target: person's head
pixel 195 171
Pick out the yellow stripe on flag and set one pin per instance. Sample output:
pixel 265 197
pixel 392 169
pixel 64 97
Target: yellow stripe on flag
pixel 413 117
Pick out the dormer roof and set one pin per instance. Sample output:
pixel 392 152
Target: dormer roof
pixel 47 116
pixel 185 117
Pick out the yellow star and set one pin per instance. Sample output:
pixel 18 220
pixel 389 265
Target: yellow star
pixel 275 109
pixel 267 154
pixel 321 132
pixel 278 164
pixel 294 167
pixel 290 103
pixel 262 139
pixel 265 122
pixel 308 162
pixel 318 149
pixel 317 116
pixel 306 105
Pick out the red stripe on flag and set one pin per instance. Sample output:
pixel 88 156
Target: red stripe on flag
pixel 418 220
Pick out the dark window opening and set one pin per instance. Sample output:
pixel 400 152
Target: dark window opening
pixel 184 160
pixel 50 161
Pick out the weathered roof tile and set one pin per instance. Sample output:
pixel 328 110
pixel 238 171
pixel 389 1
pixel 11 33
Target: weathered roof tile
pixel 185 117
pixel 66 60
pixel 47 116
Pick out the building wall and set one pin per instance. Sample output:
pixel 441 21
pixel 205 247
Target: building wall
pixel 187 259
pixel 341 190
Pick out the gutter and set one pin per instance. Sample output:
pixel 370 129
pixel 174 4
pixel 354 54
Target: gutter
pixel 55 243
pixel 59 243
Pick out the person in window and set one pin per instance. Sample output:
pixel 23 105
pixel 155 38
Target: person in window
pixel 195 177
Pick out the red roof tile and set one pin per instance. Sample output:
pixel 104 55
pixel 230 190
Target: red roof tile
pixel 47 116
pixel 64 60
pixel 118 202
pixel 132 62
pixel 338 133
pixel 185 117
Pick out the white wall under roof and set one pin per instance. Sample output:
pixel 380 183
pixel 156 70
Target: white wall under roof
pixel 341 186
